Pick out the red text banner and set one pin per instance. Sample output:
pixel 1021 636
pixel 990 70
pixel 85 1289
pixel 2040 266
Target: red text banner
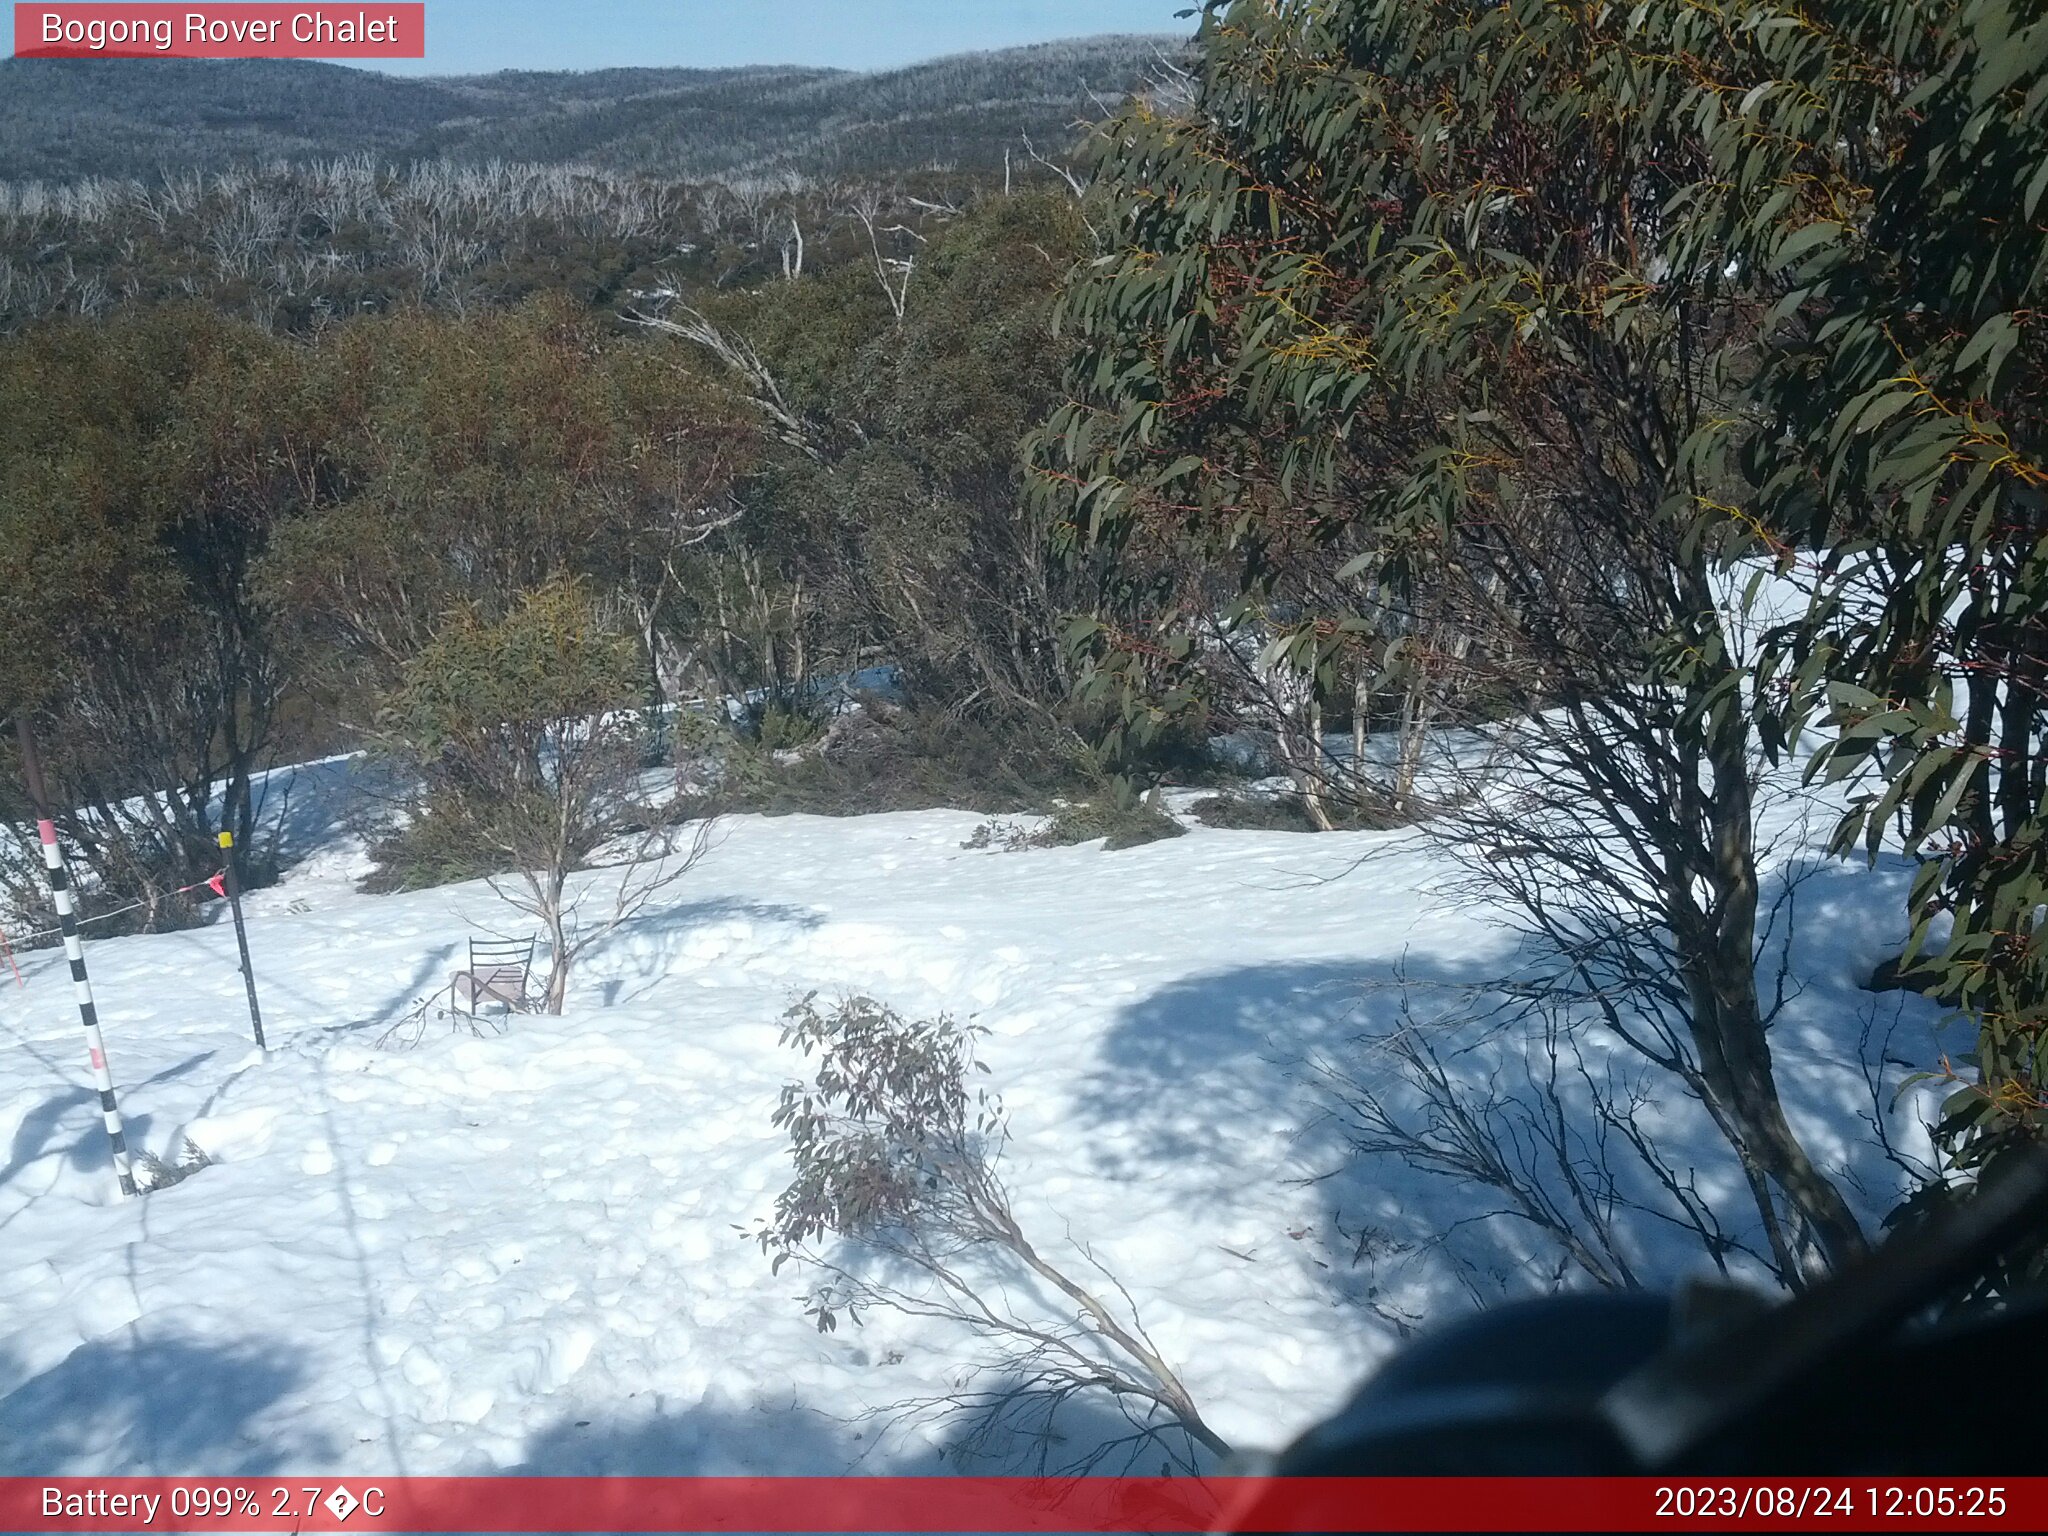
pixel 221 31
pixel 930 1504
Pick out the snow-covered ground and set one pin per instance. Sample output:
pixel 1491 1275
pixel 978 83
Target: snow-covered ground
pixel 524 1252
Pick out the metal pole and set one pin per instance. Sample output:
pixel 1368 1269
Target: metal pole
pixel 234 885
pixel 74 951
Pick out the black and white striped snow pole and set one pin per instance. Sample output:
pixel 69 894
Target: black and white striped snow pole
pixel 74 951
pixel 95 1046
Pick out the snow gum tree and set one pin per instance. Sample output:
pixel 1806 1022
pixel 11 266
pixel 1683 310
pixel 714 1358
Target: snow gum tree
pixel 524 733
pixel 1384 363
pixel 887 517
pixel 484 456
pixel 1880 174
pixel 145 465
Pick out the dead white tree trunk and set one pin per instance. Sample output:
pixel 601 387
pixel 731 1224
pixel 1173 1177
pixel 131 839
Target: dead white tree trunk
pixel 793 252
pixel 892 272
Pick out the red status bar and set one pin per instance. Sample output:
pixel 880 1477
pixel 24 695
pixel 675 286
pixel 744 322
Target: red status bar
pixel 970 1504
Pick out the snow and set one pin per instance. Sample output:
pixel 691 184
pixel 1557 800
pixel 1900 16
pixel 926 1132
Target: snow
pixel 526 1251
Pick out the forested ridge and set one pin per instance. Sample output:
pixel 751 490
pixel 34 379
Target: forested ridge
pixel 62 119
pixel 1566 434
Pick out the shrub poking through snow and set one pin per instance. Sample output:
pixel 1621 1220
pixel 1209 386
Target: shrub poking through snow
pixel 895 1147
pixel 1250 811
pixel 1120 824
pixel 153 1173
pixel 1103 818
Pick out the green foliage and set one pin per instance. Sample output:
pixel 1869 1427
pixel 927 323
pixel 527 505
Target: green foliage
pixel 1253 813
pixel 524 743
pixel 1416 278
pixel 145 464
pixel 895 1146
pixel 894 759
pixel 781 728
pixel 479 458
pixel 1889 174
pixel 1389 383
pixel 899 525
pixel 367 510
pixel 1378 380
pixel 136 481
pixel 515 680
pixel 1120 823
pixel 888 1131
pixel 441 843
pixel 1378 325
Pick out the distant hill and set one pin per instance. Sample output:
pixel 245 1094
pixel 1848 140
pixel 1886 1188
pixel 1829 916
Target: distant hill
pixel 62 120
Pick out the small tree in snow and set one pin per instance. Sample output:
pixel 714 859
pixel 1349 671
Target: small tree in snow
pixel 529 749
pixel 896 1153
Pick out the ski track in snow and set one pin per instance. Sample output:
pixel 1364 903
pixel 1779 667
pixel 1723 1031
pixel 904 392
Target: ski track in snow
pixel 522 1252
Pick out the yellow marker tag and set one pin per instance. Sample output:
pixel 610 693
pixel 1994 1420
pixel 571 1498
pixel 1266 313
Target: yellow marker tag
pixel 227 839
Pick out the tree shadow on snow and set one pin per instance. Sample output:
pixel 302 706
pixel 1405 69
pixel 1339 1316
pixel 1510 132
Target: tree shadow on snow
pixel 1213 1056
pixel 702 1440
pixel 89 1151
pixel 304 806
pixel 32 1136
pixel 166 1407
pixel 1216 1086
pixel 793 1440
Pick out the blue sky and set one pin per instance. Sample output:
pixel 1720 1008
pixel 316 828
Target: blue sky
pixel 475 36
